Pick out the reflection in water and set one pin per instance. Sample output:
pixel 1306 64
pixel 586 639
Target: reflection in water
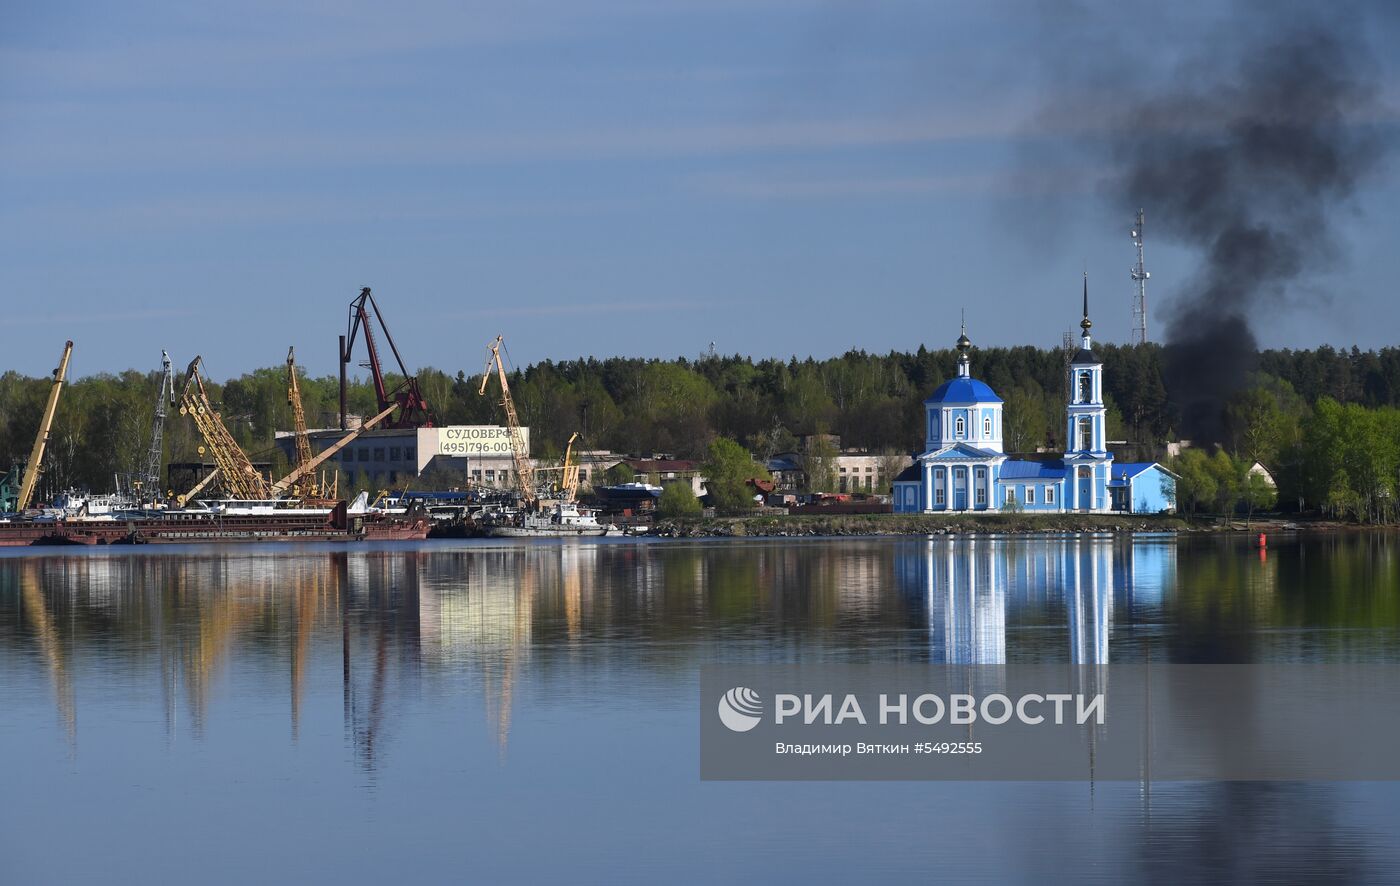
pixel 36 608
pixel 970 588
pixel 422 662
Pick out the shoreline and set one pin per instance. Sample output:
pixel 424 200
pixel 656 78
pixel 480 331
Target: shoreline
pixel 842 525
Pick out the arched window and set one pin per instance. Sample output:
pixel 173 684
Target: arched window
pixel 1086 387
pixel 960 428
pixel 987 426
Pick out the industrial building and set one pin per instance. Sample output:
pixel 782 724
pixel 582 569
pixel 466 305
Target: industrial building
pixel 393 456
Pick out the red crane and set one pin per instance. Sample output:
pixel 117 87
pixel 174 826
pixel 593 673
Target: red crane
pixel 413 410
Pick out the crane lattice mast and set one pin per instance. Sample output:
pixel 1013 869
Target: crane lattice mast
pixel 524 473
pixel 150 479
pixel 41 440
pixel 1140 275
pixel 300 435
pixel 240 478
pixel 303 437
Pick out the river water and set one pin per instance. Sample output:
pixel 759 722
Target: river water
pixel 478 711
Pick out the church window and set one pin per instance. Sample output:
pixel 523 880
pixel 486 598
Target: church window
pixel 1030 495
pixel 1086 387
pixel 1049 495
pixel 987 426
pixel 938 489
pixel 981 494
pixel 960 428
pixel 1086 434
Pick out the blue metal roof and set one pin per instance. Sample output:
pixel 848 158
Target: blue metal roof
pixel 963 390
pixel 783 463
pixel 962 450
pixel 1130 469
pixel 911 473
pixel 1015 469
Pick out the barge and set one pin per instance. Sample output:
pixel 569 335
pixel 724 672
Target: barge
pixel 219 525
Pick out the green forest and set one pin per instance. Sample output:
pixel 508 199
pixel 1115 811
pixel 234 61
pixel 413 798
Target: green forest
pixel 1325 421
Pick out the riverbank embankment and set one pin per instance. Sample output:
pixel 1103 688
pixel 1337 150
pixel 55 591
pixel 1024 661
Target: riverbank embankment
pixel 838 525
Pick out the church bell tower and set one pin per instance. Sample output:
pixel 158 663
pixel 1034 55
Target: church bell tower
pixel 1086 434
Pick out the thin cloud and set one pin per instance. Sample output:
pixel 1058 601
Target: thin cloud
pixel 125 318
pixel 572 309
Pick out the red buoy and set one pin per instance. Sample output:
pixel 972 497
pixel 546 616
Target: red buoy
pixel 1263 540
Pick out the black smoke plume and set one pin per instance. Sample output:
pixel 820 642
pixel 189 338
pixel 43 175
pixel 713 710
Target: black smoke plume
pixel 1245 154
pixel 1247 161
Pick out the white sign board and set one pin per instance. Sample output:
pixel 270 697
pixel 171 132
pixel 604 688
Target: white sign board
pixel 467 441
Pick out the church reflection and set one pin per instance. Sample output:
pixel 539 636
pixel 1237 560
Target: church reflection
pixel 971 589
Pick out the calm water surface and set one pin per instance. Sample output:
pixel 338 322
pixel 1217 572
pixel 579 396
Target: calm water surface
pixel 472 711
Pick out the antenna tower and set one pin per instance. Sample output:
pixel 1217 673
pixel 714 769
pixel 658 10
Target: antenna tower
pixel 1140 275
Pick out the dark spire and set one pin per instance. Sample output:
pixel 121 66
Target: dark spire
pixel 963 344
pixel 1086 322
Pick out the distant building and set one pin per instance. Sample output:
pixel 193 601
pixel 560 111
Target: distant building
pixel 787 471
pixel 856 470
pixel 964 468
pixel 664 471
pixel 390 458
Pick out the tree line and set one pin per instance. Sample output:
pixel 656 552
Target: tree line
pixel 1321 419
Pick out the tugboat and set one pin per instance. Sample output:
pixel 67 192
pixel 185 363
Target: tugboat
pixel 563 519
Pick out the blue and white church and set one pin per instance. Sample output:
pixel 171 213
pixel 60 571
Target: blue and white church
pixel 964 466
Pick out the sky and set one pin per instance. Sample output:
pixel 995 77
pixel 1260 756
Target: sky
pixel 621 177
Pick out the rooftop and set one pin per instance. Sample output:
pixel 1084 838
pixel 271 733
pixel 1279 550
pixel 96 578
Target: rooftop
pixel 1020 469
pixel 963 390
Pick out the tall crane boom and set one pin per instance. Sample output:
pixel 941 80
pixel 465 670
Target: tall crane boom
pixel 150 478
pixel 413 409
pixel 41 440
pixel 303 439
pixel 568 484
pixel 286 482
pixel 524 473
pixel 240 477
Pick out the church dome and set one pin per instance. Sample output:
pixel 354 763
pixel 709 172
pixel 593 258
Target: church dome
pixel 1084 357
pixel 963 390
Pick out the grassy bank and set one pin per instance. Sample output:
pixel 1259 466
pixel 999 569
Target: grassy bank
pixel 915 524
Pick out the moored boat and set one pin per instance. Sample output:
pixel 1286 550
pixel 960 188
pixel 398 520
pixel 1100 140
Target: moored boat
pixel 551 520
pixel 220 522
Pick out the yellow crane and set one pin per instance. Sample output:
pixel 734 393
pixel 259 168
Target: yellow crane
pixel 41 440
pixel 297 473
pixel 303 439
pixel 240 478
pixel 524 473
pixel 568 482
pixel 301 435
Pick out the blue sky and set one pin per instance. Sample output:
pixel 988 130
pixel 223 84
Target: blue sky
pixel 617 177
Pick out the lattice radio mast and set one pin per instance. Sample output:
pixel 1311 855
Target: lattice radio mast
pixel 1140 275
